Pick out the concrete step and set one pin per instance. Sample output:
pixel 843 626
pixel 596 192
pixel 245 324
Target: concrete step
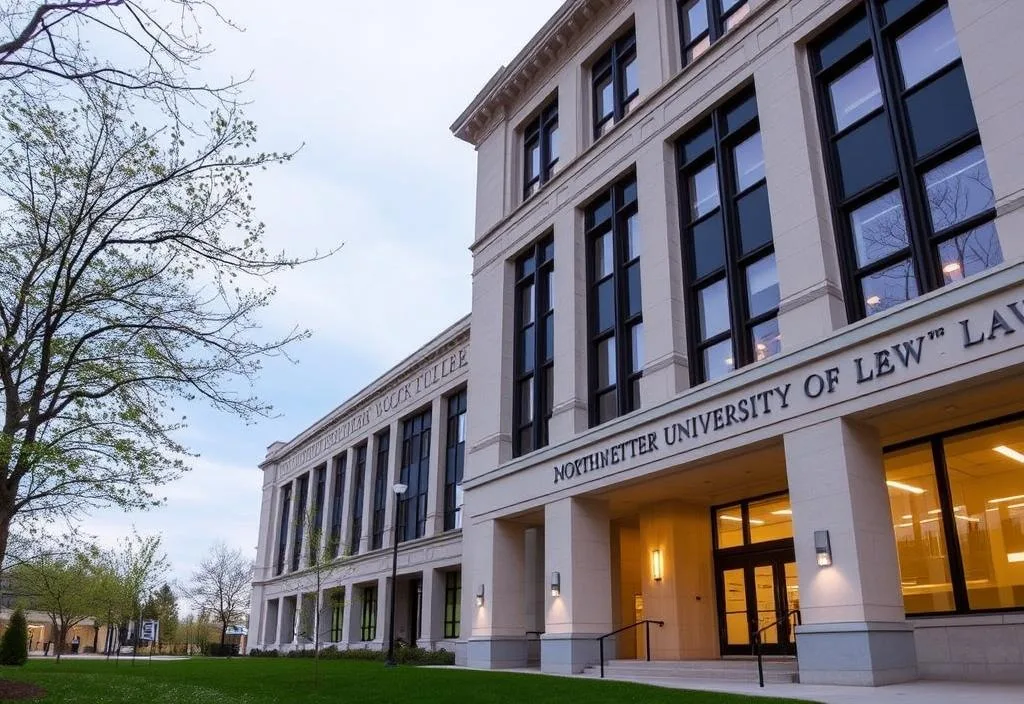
pixel 776 671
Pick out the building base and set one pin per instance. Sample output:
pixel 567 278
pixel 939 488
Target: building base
pixel 496 653
pixel 859 653
pixel 569 654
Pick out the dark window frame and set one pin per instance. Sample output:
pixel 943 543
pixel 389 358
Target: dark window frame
pixel 319 497
pixel 337 626
pixel 716 29
pixel 907 180
pixel 415 474
pixel 282 534
pixel 302 496
pixel 358 497
pixel 368 617
pixel 338 503
pixel 530 268
pixel 452 604
pixel 539 132
pixel 612 64
pixel 954 556
pixel 733 271
pixel 617 224
pixel 455 456
pixel 382 444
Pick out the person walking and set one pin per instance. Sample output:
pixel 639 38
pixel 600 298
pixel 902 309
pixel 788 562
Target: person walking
pixel 75 642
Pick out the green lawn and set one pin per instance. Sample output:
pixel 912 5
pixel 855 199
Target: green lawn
pixel 261 681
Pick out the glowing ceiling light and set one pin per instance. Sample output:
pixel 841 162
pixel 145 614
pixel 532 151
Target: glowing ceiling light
pixel 950 268
pixel 1015 557
pixel 1009 452
pixel 1004 499
pixel 783 512
pixel 727 517
pixel 905 487
pixel 873 301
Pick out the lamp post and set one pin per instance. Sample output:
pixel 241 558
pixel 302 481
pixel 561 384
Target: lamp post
pixel 399 490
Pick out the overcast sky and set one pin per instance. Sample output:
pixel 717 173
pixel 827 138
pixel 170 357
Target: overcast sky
pixel 369 89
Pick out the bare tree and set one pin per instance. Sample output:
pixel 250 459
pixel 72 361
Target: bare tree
pixel 153 45
pixel 131 273
pixel 221 587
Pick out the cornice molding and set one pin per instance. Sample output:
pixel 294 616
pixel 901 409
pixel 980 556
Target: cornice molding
pixel 510 83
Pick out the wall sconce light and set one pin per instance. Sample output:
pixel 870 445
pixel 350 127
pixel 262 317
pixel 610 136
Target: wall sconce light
pixel 656 565
pixel 556 584
pixel 823 548
pixel 480 595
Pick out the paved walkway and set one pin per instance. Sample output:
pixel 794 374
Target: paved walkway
pixel 923 692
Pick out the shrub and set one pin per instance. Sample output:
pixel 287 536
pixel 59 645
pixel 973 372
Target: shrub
pixel 14 644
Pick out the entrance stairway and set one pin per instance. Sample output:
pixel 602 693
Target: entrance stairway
pixel 776 670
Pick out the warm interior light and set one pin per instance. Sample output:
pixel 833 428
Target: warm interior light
pixel 905 487
pixel 969 519
pixel 951 267
pixel 783 512
pixel 1009 452
pixel 1015 557
pixel 1004 499
pixel 761 347
pixel 728 360
pixel 727 517
pixel 656 565
pixel 1007 506
pixel 873 301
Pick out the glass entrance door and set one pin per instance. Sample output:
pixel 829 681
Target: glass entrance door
pixel 757 590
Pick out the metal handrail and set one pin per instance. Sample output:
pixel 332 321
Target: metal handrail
pixel 757 640
pixel 646 622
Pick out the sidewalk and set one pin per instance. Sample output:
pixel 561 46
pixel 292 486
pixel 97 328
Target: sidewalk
pixel 921 692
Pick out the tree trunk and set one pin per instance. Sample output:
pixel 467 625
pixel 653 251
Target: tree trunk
pixel 223 634
pixel 6 514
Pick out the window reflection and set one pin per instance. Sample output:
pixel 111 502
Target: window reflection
pixel 770 519
pixel 729 526
pixel 917 523
pixel 958 189
pixel 855 94
pixel 927 47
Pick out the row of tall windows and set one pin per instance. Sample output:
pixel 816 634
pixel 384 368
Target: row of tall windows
pixel 615 83
pixel 912 199
pixel 414 471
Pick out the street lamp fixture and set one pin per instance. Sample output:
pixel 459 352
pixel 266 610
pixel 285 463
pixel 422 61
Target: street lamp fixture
pixel 399 490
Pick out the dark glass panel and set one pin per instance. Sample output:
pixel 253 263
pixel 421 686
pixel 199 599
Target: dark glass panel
pixel 631 80
pixel 526 304
pixel 740 114
pixel 600 211
pixel 713 309
pixel 548 251
pixel 549 337
pixel 606 375
pixel 704 191
pixel 866 155
pixel 603 262
pixel 526 400
pixel 708 246
pixel 605 305
pixel 845 41
pixel 748 158
pixel 528 350
pixel 633 237
pixel 894 9
pixel 697 145
pixel 695 19
pixel 605 98
pixel 940 112
pixel 755 219
pixel 607 408
pixel 633 305
pixel 629 192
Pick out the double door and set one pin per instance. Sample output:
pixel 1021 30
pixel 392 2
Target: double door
pixel 756 590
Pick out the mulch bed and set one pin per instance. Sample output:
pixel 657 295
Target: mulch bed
pixel 13 691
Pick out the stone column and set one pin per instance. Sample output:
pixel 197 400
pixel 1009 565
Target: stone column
pixel 368 471
pixel 438 444
pixel 666 373
pixel 496 629
pixel 289 530
pixel 351 616
pixel 988 34
pixel 257 617
pixel 384 587
pixel 854 629
pixel 569 407
pixel 811 305
pixel 577 537
pixel 431 609
pixel 394 462
pixel 265 548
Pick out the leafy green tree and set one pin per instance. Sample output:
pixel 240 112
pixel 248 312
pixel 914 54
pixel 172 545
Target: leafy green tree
pixel 61 585
pixel 162 606
pixel 14 644
pixel 132 274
